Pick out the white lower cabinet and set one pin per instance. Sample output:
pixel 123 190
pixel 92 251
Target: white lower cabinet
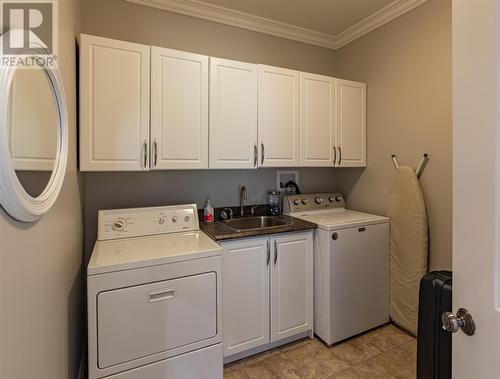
pixel 246 294
pixel 268 290
pixel 291 285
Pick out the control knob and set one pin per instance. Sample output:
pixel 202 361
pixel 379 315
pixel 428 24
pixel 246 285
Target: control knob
pixel 174 219
pixel 305 201
pixel 119 224
pixel 296 201
pixel 161 220
pixel 331 199
pixel 338 198
pixel 318 200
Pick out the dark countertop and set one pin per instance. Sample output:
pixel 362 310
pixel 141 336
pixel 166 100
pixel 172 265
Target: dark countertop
pixel 218 231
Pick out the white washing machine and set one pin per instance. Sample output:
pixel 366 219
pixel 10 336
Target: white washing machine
pixel 351 265
pixel 154 296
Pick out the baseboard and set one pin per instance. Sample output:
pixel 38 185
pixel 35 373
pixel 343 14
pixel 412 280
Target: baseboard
pixel 269 346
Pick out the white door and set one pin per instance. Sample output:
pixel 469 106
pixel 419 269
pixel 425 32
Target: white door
pixel 246 294
pixel 114 105
pixel 476 190
pixel 291 285
pixel 317 120
pixel 179 110
pixel 351 123
pixel 278 117
pixel 233 114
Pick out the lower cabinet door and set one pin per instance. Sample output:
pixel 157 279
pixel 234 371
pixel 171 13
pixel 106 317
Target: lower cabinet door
pixel 246 294
pixel 291 285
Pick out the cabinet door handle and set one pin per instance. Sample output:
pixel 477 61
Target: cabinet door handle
pixel 340 155
pixel 145 154
pixel 334 155
pixel 155 150
pixel 262 151
pixel 255 155
pixel 275 252
pixel 268 253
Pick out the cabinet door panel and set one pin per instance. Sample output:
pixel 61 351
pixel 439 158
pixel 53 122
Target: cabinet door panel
pixel 291 285
pixel 179 109
pixel 114 98
pixel 246 294
pixel 278 117
pixel 233 114
pixel 317 120
pixel 351 123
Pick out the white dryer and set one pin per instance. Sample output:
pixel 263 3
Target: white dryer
pixel 351 265
pixel 154 296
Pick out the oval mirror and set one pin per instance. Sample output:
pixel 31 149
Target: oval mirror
pixel 33 140
pixel 32 129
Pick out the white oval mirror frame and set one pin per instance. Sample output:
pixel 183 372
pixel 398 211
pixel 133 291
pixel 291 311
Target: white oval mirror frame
pixel 13 197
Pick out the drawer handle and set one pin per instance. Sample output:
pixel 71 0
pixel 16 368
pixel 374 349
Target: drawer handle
pixel 361 229
pixel 161 295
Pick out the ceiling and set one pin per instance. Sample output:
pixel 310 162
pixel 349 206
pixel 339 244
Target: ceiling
pixel 325 16
pixel 327 23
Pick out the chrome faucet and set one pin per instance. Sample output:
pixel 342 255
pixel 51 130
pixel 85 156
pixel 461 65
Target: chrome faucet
pixel 243 197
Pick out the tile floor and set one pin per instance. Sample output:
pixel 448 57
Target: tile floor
pixel 385 353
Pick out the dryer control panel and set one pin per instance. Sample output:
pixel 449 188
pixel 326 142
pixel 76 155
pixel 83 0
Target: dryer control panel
pixel 313 202
pixel 137 222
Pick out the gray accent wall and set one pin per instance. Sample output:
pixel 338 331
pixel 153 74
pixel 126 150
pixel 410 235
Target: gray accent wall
pixel 113 190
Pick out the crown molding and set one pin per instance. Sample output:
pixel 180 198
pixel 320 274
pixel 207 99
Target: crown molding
pixel 227 16
pixel 376 20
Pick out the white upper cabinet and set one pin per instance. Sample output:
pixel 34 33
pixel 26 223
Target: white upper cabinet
pixel 317 120
pixel 278 117
pixel 179 110
pixel 32 122
pixel 351 123
pixel 114 105
pixel 233 114
pixel 145 108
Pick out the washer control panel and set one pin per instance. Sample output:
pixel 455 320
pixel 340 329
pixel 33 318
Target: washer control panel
pixel 136 222
pixel 313 202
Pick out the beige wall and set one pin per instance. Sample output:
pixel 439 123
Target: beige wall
pixel 407 66
pixel 41 303
pixel 122 20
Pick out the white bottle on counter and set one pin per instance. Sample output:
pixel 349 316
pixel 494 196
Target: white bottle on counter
pixel 208 212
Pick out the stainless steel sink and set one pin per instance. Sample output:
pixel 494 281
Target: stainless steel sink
pixel 254 223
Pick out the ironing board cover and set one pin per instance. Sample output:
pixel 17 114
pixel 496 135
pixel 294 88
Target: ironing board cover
pixel 408 247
